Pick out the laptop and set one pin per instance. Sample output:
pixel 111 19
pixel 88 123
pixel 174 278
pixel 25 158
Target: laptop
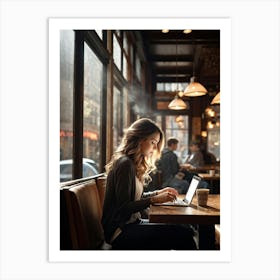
pixel 189 195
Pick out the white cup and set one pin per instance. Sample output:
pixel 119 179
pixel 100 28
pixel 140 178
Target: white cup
pixel 212 172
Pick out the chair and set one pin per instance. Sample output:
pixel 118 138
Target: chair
pixel 84 216
pixel 101 187
pixel 217 236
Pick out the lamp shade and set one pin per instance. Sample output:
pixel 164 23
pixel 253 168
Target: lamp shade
pixel 216 99
pixel 177 104
pixel 195 89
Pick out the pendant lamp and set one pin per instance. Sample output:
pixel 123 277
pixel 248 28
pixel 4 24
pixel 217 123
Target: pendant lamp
pixel 216 99
pixel 177 103
pixel 194 88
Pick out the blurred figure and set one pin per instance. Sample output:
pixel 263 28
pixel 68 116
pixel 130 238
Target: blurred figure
pixel 208 157
pixel 169 166
pixel 195 159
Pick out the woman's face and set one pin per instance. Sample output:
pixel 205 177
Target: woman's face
pixel 149 145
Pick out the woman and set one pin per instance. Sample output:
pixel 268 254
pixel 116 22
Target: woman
pixel 128 171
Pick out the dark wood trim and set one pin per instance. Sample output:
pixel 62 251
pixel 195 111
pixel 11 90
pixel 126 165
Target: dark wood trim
pixel 96 44
pixel 118 77
pixel 172 70
pixel 68 184
pixel 173 79
pixel 78 106
pixel 103 119
pixel 184 58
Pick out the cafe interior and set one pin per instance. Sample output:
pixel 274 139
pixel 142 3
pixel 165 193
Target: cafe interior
pixel 108 80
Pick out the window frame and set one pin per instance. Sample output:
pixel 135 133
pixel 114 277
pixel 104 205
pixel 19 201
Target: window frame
pixel 97 46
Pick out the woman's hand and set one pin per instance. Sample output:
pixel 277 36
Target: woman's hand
pixel 168 189
pixel 163 197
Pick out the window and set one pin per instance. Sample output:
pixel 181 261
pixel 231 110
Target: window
pixel 171 86
pixel 178 127
pixel 126 108
pixel 213 140
pixel 99 33
pixel 125 65
pixel 125 43
pixel 66 93
pixel 93 69
pixel 138 68
pixel 117 52
pixel 117 118
pixel 125 56
pixel 158 121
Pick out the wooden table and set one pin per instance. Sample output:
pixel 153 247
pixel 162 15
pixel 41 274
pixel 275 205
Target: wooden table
pixel 206 176
pixel 213 180
pixel 201 169
pixel 205 217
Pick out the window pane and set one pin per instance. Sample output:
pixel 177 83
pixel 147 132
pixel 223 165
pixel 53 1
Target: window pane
pixel 214 140
pixel 99 33
pixel 126 108
pixel 117 119
pixel 159 121
pixel 125 43
pixel 131 50
pixel 125 72
pixel 117 52
pixel 66 94
pixel 160 86
pixel 92 110
pixel 171 86
pixel 178 127
pixel 138 68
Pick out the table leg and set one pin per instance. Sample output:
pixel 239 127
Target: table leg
pixel 206 237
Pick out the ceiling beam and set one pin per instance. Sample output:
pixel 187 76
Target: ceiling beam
pixel 171 58
pixel 173 79
pixel 173 70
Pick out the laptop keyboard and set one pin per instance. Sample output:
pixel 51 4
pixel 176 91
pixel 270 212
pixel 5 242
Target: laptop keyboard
pixel 179 202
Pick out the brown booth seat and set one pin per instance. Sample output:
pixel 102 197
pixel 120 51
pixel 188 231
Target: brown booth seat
pixel 217 236
pixel 81 213
pixel 101 186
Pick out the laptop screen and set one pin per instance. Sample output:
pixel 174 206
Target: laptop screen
pixel 192 188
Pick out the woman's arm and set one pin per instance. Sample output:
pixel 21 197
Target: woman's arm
pixel 125 189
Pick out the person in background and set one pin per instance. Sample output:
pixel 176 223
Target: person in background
pixel 195 159
pixel 128 172
pixel 169 166
pixel 209 158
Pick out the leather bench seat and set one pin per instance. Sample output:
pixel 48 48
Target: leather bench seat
pixel 82 216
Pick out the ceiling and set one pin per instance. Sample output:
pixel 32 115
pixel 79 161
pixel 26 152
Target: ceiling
pixel 176 56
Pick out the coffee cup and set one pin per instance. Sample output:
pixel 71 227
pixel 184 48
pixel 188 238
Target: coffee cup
pixel 202 196
pixel 212 172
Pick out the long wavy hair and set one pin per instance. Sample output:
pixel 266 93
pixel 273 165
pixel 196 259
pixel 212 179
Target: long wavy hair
pixel 130 146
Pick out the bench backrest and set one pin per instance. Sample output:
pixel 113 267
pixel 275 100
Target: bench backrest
pixel 83 211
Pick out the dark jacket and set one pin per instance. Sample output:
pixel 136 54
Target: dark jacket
pixel 196 160
pixel 168 165
pixel 119 201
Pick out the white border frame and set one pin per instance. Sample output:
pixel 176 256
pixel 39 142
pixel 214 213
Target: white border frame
pixel 55 25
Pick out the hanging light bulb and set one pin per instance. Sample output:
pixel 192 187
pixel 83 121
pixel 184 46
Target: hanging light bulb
pixel 177 103
pixel 194 88
pixel 216 99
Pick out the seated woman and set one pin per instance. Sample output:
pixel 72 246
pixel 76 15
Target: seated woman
pixel 128 172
